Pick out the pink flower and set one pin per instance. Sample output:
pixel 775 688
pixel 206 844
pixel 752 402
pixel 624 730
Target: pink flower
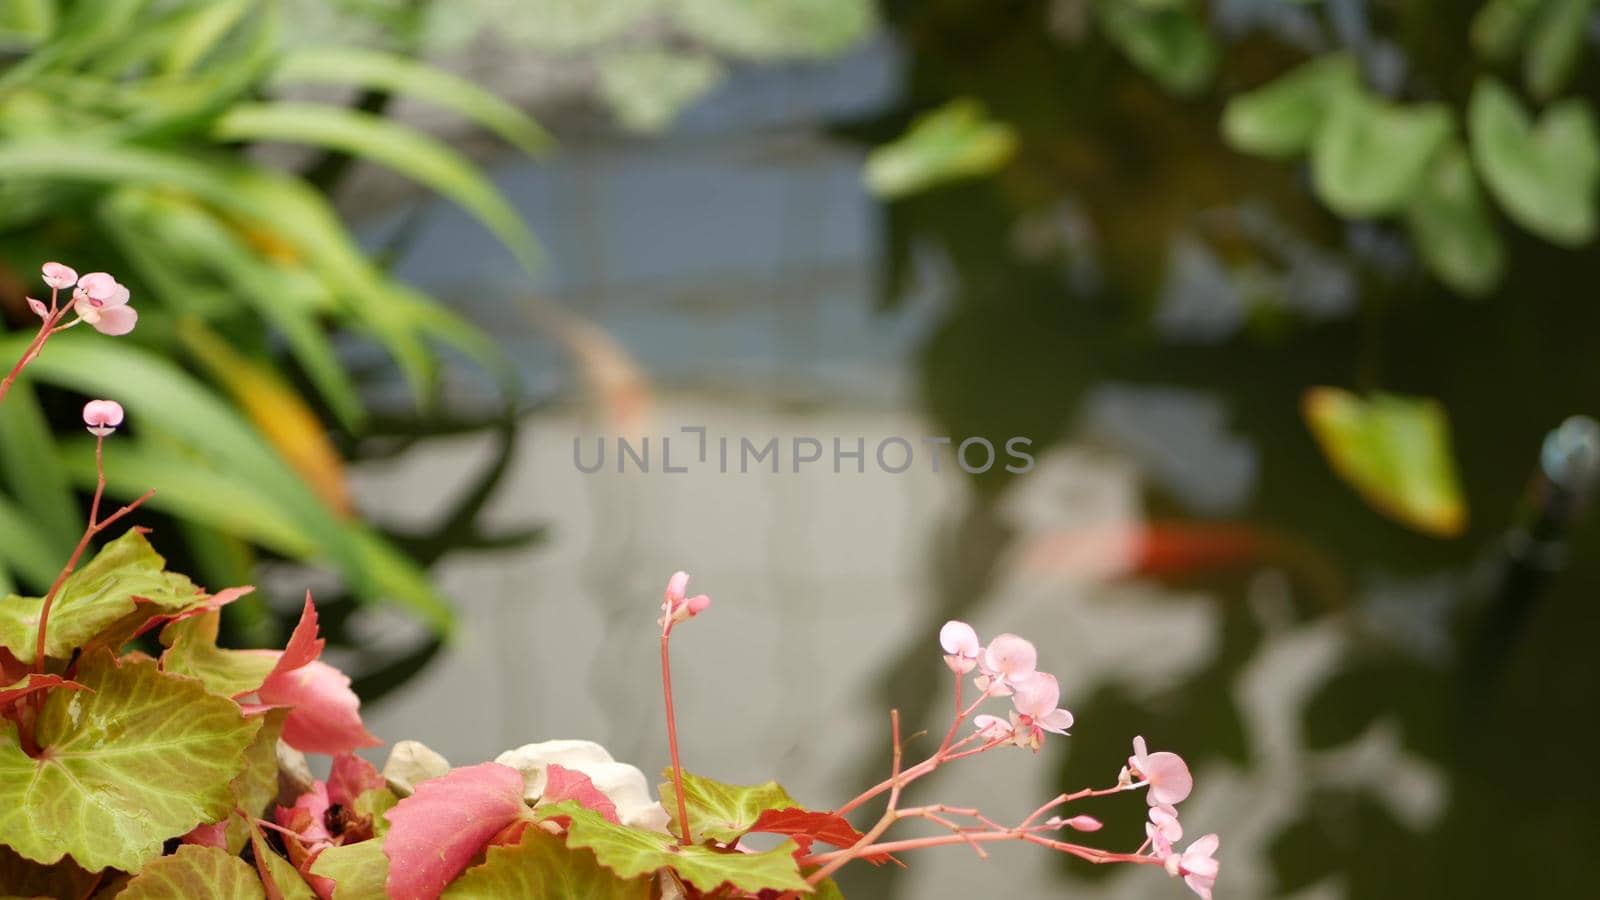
pixel 39 309
pixel 59 276
pixel 960 645
pixel 1007 661
pixel 992 728
pixel 1166 773
pixel 102 417
pixel 1197 865
pixel 674 607
pixel 1036 700
pixel 1163 828
pixel 103 303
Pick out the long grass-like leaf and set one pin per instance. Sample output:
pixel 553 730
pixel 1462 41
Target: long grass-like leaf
pixel 405 150
pixel 284 206
pixel 376 70
pixel 32 474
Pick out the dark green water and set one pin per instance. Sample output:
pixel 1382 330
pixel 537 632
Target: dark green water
pixel 1034 327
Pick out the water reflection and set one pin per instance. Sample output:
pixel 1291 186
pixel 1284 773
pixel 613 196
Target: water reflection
pixel 1184 556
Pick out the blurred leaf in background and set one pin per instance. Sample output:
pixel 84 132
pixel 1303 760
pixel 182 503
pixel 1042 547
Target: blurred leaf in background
pixel 955 141
pixel 1395 451
pixel 127 143
pixel 1543 173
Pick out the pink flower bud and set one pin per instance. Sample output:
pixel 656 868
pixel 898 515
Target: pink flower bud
pixel 1083 823
pixel 59 276
pixel 102 417
pixel 38 307
pixel 676 585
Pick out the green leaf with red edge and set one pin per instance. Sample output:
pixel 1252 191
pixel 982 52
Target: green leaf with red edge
pixel 279 878
pixel 358 871
pixel 723 812
pixel 109 598
pixel 195 871
pixel 632 852
pixel 144 758
pixel 192 651
pixel 541 865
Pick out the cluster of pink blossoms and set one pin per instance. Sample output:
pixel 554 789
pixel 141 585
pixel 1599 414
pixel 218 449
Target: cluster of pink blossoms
pixel 1008 667
pixel 97 298
pixel 1168 782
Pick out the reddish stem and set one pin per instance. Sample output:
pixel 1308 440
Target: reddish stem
pixel 672 734
pixel 46 327
pixel 940 840
pixel 944 755
pixel 96 525
pixel 939 757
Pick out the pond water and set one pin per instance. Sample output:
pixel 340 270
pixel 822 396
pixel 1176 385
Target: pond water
pixel 1147 314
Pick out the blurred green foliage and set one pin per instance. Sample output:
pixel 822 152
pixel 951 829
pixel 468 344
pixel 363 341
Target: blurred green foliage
pixel 1415 151
pixel 645 60
pixel 130 136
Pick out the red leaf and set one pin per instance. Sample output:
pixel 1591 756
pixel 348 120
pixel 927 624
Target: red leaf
pixel 806 826
pixel 435 832
pixel 213 835
pixel 812 826
pixel 308 818
pixel 304 645
pixel 30 683
pixel 562 783
pixel 210 603
pixel 326 714
pixel 350 776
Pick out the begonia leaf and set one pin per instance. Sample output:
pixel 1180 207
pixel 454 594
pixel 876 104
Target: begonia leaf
pixel 278 876
pixel 806 826
pixel 357 871
pixel 562 783
pixel 192 651
pixel 632 852
pixel 195 871
pixel 541 865
pixel 723 812
pixel 143 758
pixel 350 777
pixel 33 683
pixel 123 582
pixel 435 833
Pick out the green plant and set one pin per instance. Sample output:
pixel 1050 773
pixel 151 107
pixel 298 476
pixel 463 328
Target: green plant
pixel 128 131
